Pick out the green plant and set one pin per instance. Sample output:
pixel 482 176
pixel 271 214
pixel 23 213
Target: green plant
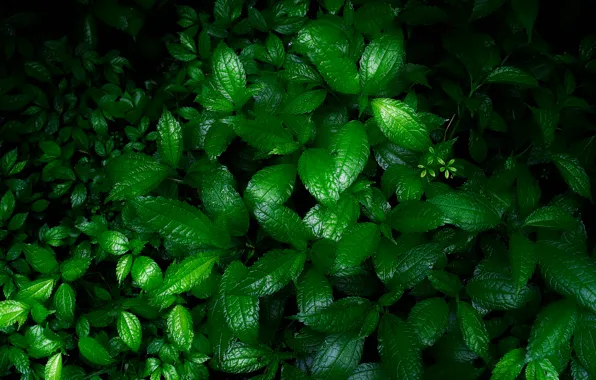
pixel 297 189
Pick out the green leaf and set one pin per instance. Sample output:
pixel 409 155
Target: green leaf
pixel 415 216
pixel 180 222
pixel 180 328
pixel 38 71
pixel 266 133
pixel 350 150
pixel 13 311
pixel 272 185
pixel 282 223
pixel 332 222
pixel 271 272
pixel 123 267
pixel 37 290
pixel 445 282
pixel 130 330
pixel 496 291
pixel 415 264
pixel 541 369
pixel 526 12
pixel 133 174
pixel 483 8
pixel 146 273
pixel 229 74
pixel 574 174
pixel 222 202
pixel 93 351
pixel 65 302
pixel 333 6
pixel 340 73
pixel 53 368
pixel 403 181
pixel 553 328
pixel 584 345
pixel 41 259
pixel 169 143
pixel 429 320
pixel 380 62
pixel 244 358
pixel 510 365
pixel 338 357
pixel 241 312
pixel 568 272
pixel 344 315
pixel 528 190
pixel 511 75
pixel 468 211
pixel 551 217
pixel 400 356
pixel 357 244
pixel 17 221
pixel 185 275
pixel 313 292
pixel 276 50
pixel 74 268
pixel 114 242
pixel 522 258
pixel 317 171
pixel 305 102
pixel 401 124
pixel 473 329
pixel 7 205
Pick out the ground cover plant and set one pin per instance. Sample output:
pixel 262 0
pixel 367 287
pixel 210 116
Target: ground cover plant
pixel 342 189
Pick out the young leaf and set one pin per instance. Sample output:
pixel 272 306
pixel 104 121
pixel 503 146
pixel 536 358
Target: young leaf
pixel 337 357
pixel 146 273
pixel 381 60
pixel 473 329
pixel 114 242
pixel 553 328
pixel 467 211
pixel 401 124
pixel 180 328
pixel 65 303
pixel 190 272
pixel 53 368
pixel 510 365
pixel 574 174
pixel 400 356
pixel 169 143
pixel 130 330
pixel 13 311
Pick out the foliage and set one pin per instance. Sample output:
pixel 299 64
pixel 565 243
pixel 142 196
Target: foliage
pixel 296 189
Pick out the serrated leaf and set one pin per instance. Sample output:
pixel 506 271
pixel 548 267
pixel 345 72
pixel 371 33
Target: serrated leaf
pixel 180 222
pixel 429 319
pixel 65 303
pixel 188 273
pixel 282 223
pixel 230 74
pixel 344 315
pixel 180 328
pixel 542 369
pixel 350 150
pixel 146 273
pixel 13 312
pixel 130 330
pixel 356 245
pixel 401 124
pixel 114 242
pixel 313 292
pixel 574 174
pixel 93 351
pixel 510 365
pixel 511 75
pixel 244 358
pixel 337 357
pixel 332 222
pixel 468 211
pixel 381 60
pixel 570 273
pixel 169 143
pixel 415 264
pixel 123 267
pixel 445 282
pixel 496 291
pixel 317 171
pixel 553 328
pixel 305 102
pixel 272 185
pixel 134 174
pixel 265 133
pixel 415 216
pixel 402 181
pixel 584 345
pixel 241 312
pixel 53 367
pixel 473 329
pixel 400 357
pixel 271 273
pixel 551 217
pixel 522 258
pixel 41 259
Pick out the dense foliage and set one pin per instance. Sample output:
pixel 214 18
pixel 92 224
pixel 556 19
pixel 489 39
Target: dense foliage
pixel 342 189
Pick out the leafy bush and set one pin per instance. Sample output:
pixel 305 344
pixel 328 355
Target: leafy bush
pixel 327 190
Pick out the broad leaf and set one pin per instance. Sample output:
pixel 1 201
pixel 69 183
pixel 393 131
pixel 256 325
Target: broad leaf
pixel 401 124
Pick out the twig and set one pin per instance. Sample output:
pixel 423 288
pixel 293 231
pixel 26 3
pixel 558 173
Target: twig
pixel 447 129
